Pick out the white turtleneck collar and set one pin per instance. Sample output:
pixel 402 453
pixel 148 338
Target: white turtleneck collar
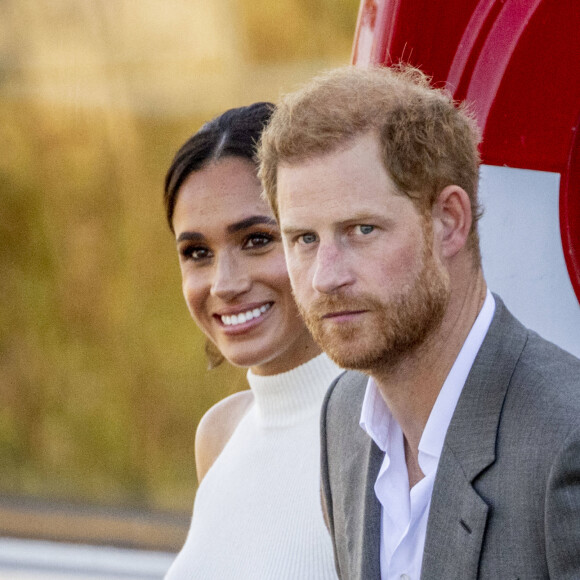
pixel 287 398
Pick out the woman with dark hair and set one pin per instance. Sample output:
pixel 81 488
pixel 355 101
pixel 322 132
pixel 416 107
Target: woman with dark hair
pixel 257 511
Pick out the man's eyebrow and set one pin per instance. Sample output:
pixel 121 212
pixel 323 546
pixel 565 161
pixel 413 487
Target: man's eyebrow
pixel 290 229
pixel 356 218
pixel 251 221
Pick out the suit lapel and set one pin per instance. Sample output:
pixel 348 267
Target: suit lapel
pixel 458 515
pixel 352 461
pixel 455 528
pixel 371 531
pixel 363 523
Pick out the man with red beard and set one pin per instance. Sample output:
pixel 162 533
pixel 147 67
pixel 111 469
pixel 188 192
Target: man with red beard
pixel 457 453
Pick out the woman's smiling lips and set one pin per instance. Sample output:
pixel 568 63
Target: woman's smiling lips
pixel 243 318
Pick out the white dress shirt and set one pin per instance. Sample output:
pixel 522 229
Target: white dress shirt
pixel 405 512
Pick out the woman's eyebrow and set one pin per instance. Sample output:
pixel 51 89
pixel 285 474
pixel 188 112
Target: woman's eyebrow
pixel 190 237
pixel 249 222
pixel 231 229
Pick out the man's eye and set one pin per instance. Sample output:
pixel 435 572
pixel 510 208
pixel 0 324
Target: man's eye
pixel 364 229
pixel 307 239
pixel 257 241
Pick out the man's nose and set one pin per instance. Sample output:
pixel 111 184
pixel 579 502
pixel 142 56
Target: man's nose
pixel 332 270
pixel 230 278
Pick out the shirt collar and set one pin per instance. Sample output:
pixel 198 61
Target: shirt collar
pixel 376 417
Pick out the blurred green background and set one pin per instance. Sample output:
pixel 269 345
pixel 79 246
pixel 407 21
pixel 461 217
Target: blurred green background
pixel 102 373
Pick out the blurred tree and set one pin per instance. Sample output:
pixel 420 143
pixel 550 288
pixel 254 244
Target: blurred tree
pixel 297 30
pixel 102 372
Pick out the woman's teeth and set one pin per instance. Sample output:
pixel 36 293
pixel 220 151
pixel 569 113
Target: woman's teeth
pixel 245 316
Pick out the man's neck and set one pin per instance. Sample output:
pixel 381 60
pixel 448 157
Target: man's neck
pixel 410 388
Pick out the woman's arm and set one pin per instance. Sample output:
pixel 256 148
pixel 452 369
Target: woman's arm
pixel 216 428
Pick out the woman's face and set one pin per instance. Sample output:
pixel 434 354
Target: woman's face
pixel 233 270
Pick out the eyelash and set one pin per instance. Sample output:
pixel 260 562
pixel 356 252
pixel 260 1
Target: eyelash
pixel 361 226
pixel 189 252
pixel 300 239
pixel 269 238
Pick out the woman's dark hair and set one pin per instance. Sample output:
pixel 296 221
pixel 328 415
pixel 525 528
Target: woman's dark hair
pixel 235 133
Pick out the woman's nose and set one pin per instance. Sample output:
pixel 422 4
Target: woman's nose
pixel 231 278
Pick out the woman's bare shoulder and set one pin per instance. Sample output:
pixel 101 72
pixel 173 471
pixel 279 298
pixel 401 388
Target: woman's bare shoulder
pixel 216 428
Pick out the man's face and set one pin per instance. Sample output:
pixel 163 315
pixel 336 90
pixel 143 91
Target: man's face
pixel 360 257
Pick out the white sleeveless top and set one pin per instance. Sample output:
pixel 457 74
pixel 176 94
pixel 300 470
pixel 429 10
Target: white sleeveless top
pixel 257 513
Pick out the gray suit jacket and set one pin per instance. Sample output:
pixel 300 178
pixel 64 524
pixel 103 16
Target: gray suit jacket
pixel 506 498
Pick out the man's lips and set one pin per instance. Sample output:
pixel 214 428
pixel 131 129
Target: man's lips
pixel 342 315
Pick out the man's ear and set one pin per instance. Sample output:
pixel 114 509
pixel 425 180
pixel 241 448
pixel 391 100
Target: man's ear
pixel 452 219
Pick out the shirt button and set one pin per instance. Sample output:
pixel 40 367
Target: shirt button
pixel 405 577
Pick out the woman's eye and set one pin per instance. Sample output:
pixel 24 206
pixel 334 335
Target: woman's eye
pixel 257 241
pixel 195 253
pixel 307 239
pixel 364 229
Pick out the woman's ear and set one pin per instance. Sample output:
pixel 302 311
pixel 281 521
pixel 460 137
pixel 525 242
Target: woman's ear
pixel 452 219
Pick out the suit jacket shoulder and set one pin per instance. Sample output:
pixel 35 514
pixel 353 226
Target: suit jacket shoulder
pixel 506 499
